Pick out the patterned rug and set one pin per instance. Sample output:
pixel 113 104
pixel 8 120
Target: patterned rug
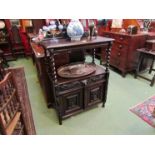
pixel 144 110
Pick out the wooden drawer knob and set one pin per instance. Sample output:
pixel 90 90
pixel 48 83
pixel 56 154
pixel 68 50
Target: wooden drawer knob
pixel 120 46
pixel 119 54
pixel 121 38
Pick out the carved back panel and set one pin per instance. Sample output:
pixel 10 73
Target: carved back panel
pixel 11 121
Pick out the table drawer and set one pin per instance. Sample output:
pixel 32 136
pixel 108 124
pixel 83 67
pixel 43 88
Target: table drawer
pixel 68 87
pixel 119 46
pixel 122 54
pixel 122 39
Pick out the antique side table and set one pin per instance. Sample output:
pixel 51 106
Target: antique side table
pixel 145 54
pixel 73 95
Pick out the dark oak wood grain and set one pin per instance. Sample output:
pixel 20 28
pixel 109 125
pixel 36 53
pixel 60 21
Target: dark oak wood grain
pixel 70 96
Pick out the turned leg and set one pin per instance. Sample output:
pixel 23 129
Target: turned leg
pixel 60 120
pixel 123 74
pixel 59 108
pixel 151 67
pixel 103 105
pixel 152 81
pixel 100 61
pixel 105 90
pixel 139 65
pixel 93 56
pixel 107 73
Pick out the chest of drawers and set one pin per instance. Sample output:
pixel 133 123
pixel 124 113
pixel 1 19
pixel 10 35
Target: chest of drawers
pixel 123 51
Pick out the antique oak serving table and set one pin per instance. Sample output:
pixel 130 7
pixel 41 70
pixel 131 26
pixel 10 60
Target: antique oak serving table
pixel 72 95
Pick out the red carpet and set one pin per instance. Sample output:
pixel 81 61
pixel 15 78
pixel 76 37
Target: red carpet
pixel 144 110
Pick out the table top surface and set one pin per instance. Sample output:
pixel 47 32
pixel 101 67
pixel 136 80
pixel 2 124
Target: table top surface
pixel 140 33
pixel 64 43
pixel 151 41
pixel 38 50
pixel 145 51
pixel 4 42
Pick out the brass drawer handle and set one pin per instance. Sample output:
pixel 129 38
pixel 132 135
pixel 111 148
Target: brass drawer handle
pixel 119 54
pixel 120 46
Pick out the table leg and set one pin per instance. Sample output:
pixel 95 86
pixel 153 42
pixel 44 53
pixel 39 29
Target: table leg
pixel 141 57
pixel 93 56
pixel 108 50
pixel 152 81
pixel 151 67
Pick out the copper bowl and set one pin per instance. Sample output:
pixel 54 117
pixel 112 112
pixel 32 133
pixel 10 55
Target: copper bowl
pixel 75 70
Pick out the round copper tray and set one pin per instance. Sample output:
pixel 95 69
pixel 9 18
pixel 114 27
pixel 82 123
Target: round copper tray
pixel 75 70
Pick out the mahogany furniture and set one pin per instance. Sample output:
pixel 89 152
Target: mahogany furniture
pixel 38 59
pixel 150 44
pixel 150 35
pixel 123 52
pixel 152 27
pixel 30 36
pixel 5 43
pixel 71 95
pixel 6 47
pixel 16 42
pixel 145 54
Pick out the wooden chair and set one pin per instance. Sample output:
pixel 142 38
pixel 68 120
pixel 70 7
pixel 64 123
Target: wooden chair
pixel 11 119
pixel 16 41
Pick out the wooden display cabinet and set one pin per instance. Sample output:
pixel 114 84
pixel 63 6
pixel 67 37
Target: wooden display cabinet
pixel 72 95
